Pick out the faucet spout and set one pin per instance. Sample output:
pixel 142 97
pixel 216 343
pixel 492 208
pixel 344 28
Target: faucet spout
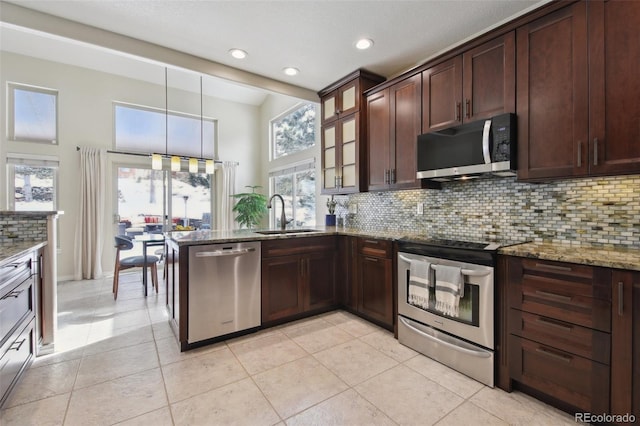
pixel 283 217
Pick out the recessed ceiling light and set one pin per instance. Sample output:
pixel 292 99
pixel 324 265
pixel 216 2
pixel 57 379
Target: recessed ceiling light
pixel 364 43
pixel 291 71
pixel 238 53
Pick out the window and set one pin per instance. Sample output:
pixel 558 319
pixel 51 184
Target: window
pixel 33 114
pixel 297 185
pixel 294 131
pixel 143 129
pixel 32 182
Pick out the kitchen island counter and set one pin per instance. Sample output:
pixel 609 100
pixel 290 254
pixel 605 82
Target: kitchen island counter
pixel 10 250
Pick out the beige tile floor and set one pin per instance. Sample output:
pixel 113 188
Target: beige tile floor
pixel 118 363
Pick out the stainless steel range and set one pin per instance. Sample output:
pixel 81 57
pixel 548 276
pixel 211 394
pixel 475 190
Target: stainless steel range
pixel 446 303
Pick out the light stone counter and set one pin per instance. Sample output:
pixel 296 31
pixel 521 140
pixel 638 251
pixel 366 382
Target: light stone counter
pixel 619 258
pixel 10 250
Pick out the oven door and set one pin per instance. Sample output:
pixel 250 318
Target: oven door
pixel 475 321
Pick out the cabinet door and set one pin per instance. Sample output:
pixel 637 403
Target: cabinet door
pixel 378 136
pixel 406 115
pixel 375 284
pixel 625 343
pixel 282 293
pixel 348 141
pixel 442 95
pixel 552 91
pixel 330 159
pixel 614 87
pixel 349 98
pixel 329 107
pixel 320 278
pixel 489 80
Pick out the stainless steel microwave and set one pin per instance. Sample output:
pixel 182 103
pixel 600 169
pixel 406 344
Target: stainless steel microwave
pixel 485 147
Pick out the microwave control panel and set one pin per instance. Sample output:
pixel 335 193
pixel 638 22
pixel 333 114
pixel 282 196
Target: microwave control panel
pixel 503 131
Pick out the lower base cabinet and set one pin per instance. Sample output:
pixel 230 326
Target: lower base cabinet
pixel 570 334
pixel 298 278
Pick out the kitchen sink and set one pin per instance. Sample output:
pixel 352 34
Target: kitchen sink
pixel 286 231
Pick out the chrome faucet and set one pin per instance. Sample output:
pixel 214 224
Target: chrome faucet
pixel 283 217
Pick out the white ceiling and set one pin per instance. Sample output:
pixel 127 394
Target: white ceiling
pixel 315 36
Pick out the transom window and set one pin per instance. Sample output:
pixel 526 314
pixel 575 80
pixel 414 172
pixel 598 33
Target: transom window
pixel 294 131
pixel 143 129
pixel 33 114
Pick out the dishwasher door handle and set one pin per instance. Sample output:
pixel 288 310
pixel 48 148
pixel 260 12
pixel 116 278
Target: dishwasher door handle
pixel 221 253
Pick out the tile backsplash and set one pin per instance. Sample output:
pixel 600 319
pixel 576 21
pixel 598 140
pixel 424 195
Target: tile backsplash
pixel 16 227
pixel 592 211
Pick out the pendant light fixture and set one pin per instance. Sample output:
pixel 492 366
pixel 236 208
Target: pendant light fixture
pixel 176 160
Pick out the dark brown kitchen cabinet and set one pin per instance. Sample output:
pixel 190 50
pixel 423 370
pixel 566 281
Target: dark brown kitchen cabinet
pixel 578 96
pixel 394 123
pixel 343 132
pixel 375 281
pixel 19 279
pixel 298 277
pixel 477 84
pixel 559 331
pixel 625 343
pixel 347 272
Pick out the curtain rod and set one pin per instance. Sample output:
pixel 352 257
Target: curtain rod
pixel 139 154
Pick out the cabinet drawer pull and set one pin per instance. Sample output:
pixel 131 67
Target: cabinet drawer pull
pixel 553 267
pixel 371 242
pixel 554 295
pixel 595 151
pixel 16 345
pixel 554 324
pixel 553 355
pixel 14 293
pixel 371 259
pixel 620 298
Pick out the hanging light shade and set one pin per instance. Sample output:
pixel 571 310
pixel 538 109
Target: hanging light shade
pixel 175 163
pixel 209 167
pixel 156 161
pixel 193 165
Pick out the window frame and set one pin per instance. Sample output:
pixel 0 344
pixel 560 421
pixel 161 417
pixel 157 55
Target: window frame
pixel 292 170
pixel 11 119
pixel 15 159
pixel 164 150
pixel 279 117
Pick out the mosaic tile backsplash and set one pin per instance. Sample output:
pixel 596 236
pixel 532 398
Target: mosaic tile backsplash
pixel 594 211
pixel 16 227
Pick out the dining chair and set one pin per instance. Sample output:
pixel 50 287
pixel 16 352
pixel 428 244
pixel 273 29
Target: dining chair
pixel 124 243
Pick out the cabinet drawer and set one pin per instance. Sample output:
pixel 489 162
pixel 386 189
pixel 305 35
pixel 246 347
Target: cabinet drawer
pixel 572 293
pixel 582 341
pixel 374 247
pixel 298 245
pixel 15 304
pixel 572 379
pixel 15 271
pixel 14 355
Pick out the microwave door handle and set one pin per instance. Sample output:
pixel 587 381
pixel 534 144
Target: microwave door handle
pixel 485 142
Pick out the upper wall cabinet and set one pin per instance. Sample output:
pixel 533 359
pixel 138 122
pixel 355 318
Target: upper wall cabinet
pixel 578 95
pixel 394 122
pixel 478 84
pixel 343 129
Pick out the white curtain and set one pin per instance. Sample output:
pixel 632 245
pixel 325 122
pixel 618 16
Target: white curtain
pixel 89 237
pixel 226 216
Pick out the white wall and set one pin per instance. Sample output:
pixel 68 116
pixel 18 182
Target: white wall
pixel 86 119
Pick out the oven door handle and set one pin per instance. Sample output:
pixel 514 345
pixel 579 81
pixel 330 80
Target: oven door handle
pixel 467 272
pixel 479 353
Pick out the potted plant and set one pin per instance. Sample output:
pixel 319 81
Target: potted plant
pixel 330 219
pixel 250 207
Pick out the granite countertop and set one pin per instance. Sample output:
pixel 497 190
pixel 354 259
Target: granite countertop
pixel 10 250
pixel 187 238
pixel 620 258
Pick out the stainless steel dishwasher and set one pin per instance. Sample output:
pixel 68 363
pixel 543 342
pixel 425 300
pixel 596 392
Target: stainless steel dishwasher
pixel 224 289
